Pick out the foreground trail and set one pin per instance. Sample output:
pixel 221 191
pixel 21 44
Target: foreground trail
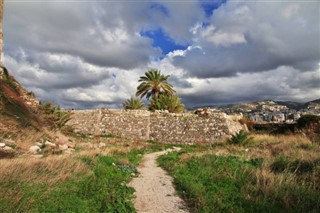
pixel 154 189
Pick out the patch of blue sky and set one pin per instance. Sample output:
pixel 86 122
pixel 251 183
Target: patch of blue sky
pixel 163 41
pixel 210 5
pixel 160 8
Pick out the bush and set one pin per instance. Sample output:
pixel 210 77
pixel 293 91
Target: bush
pixel 132 104
pixel 241 137
pixel 306 120
pixel 166 102
pixel 280 164
pixel 299 167
pixel 55 114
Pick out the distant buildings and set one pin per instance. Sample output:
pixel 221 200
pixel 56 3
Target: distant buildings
pixel 266 112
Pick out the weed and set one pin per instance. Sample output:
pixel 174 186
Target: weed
pixel 241 137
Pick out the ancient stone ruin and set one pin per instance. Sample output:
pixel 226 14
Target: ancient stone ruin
pixel 185 128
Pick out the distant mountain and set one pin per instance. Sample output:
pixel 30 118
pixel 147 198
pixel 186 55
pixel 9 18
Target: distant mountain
pixel 291 104
pixel 314 101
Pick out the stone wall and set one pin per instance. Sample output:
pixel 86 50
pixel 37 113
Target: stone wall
pixel 183 128
pixel 189 128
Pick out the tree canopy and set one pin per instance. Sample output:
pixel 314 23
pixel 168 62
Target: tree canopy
pixel 153 84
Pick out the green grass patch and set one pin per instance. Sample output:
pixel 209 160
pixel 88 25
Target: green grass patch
pixel 211 183
pixel 101 190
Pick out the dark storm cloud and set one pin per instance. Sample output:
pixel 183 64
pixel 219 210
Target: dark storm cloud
pixel 94 33
pixel 91 54
pixel 179 82
pixel 248 38
pixel 56 71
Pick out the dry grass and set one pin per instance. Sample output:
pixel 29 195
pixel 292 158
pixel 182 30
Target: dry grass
pixel 46 170
pixel 269 147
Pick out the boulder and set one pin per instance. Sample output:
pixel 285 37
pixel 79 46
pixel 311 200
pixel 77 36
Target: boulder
pixel 102 145
pixel 48 143
pixel 2 145
pixel 70 145
pixel 63 147
pixel 7 148
pixel 69 151
pixel 9 142
pixel 34 149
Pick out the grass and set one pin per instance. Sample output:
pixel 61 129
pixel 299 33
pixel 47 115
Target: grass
pixel 92 180
pixel 269 174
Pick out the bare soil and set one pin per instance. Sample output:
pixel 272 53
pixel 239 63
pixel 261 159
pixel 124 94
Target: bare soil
pixel 154 190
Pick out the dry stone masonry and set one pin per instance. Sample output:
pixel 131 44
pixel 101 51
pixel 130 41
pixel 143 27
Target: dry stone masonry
pixel 185 128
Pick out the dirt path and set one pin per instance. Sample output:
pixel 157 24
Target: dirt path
pixel 154 189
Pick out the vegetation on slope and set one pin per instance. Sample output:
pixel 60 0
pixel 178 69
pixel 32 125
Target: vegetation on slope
pixel 11 103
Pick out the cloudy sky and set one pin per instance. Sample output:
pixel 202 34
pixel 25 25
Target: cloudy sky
pixel 89 54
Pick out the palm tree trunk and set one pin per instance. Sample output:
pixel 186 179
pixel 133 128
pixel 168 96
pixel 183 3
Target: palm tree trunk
pixel 1 34
pixel 156 94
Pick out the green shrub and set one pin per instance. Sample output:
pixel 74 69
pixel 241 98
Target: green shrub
pixel 133 104
pixel 55 114
pixel 306 120
pixel 280 164
pixel 241 138
pixel 166 102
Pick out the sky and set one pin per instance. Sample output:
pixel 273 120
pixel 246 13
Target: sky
pixel 90 54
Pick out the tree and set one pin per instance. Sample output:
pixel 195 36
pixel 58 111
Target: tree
pixel 166 102
pixel 153 84
pixel 132 104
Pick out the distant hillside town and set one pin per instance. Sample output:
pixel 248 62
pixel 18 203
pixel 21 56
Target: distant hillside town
pixel 274 112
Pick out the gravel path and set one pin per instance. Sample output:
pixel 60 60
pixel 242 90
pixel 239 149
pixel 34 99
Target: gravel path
pixel 154 190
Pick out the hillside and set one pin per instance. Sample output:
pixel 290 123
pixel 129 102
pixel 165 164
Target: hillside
pixel 23 121
pixel 17 105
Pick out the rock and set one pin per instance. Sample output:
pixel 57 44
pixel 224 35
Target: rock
pixel 69 151
pixel 39 144
pixel 2 145
pixel 9 142
pixel 7 148
pixel 37 156
pixel 48 143
pixel 102 145
pixel 70 145
pixel 63 147
pixel 34 149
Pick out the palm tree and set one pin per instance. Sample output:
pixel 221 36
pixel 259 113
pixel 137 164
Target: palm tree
pixel 153 84
pixel 132 104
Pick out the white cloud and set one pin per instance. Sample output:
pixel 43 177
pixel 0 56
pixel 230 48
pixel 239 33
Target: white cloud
pixel 221 38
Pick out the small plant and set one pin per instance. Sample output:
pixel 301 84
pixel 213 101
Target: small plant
pixel 241 137
pixel 280 164
pixel 55 114
pixel 133 104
